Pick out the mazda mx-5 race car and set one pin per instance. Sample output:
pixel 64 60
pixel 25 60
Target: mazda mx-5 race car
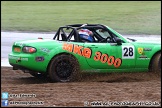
pixel 84 48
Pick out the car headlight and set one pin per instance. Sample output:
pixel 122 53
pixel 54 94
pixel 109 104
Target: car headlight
pixel 28 49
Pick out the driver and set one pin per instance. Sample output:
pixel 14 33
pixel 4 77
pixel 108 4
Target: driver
pixel 86 35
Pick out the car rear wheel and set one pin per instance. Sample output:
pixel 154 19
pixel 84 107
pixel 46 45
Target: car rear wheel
pixel 64 68
pixel 156 63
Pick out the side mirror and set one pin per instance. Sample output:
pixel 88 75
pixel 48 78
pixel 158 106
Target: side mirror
pixel 118 41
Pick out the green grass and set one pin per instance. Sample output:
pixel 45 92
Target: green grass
pixel 133 17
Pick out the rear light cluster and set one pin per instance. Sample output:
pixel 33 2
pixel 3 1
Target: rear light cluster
pixel 27 49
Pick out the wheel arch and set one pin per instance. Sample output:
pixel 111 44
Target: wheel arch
pixel 62 53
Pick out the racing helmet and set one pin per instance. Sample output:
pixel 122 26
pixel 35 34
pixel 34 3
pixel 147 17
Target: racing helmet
pixel 86 35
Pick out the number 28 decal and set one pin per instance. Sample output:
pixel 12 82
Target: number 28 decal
pixel 128 52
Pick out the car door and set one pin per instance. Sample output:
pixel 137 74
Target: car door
pixel 111 55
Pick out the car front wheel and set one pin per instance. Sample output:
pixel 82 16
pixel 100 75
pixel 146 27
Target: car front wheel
pixel 156 63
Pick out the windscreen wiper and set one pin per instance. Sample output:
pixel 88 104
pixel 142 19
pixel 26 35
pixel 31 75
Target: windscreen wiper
pixel 132 39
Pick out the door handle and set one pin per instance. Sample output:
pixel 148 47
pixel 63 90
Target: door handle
pixel 93 46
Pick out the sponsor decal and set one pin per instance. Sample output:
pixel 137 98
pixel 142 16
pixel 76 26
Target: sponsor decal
pixel 80 50
pixel 147 49
pixel 142 56
pixel 140 50
pixel 45 50
pixel 38 59
pixel 20 44
pixel 142 53
pixel 18 58
pixel 110 60
pixel 87 52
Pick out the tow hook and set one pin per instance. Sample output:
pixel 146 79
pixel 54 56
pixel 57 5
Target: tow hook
pixel 18 60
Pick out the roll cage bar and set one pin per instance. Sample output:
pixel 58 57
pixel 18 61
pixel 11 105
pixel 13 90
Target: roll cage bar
pixel 74 32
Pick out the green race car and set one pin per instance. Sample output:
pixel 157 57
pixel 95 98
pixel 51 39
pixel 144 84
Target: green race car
pixel 84 48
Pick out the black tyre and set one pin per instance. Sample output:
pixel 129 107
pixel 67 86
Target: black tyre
pixel 156 63
pixel 63 68
pixel 38 75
